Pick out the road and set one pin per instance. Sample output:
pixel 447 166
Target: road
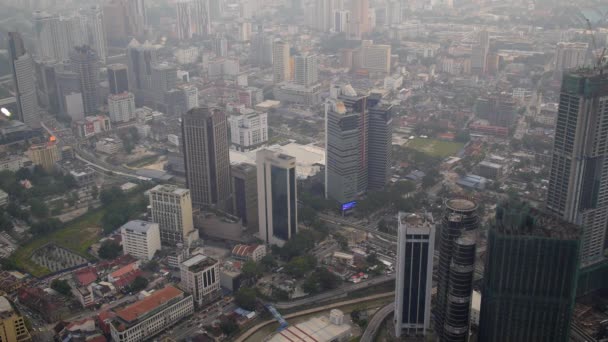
pixel 199 320
pixel 342 222
pixel 334 293
pixel 372 327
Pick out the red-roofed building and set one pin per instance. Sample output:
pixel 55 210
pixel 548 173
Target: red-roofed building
pixel 249 252
pixel 49 307
pixel 104 320
pixel 126 279
pixel 85 276
pixel 114 276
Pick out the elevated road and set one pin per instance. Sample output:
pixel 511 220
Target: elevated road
pixel 342 222
pixel 372 327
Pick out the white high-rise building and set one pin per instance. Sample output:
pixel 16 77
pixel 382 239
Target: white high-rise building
pixel 341 21
pixel 249 129
pixel 306 70
pixel 280 61
pixel 52 39
pixel 202 17
pixel 92 18
pixel 185 21
pixel 414 278
pixel 375 57
pixel 22 67
pixel 277 197
pixel 172 210
pixel 200 276
pixel 140 239
pixel 121 107
pixel 570 55
pixel 322 19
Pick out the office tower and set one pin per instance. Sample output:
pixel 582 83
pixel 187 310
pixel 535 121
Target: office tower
pixel 248 129
pixel 280 61
pixel 200 276
pixel 306 70
pixel 578 177
pixel 85 63
pixel 185 24
pixel 570 55
pixel 172 210
pixel 22 68
pixel 202 17
pixel 530 276
pixel 414 279
pixel 45 155
pixel 136 17
pixel 141 58
pixel 323 10
pixel 46 85
pixel 92 17
pixel 121 107
pixel 380 138
pixel 68 93
pixel 206 156
pixel 12 325
pixel 220 46
pixel 52 39
pixel 277 197
pixel 245 187
pixel 261 50
pixel 479 53
pixel 359 24
pixel 244 31
pixel 456 269
pixel 341 21
pixel 164 78
pixel 375 57
pixel 140 239
pixel 118 78
pixel 124 20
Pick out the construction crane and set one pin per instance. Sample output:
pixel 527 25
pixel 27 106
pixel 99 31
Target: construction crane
pixel 600 59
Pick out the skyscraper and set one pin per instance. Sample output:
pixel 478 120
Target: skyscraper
pixel 280 61
pixel 141 58
pixel 118 78
pixel 455 271
pixel 22 67
pixel 530 276
pixel 220 46
pixel 323 11
pixel 380 142
pixel 52 39
pixel 124 20
pixel 277 196
pixel 306 70
pixel 414 279
pixel 261 50
pixel 245 187
pixel 202 17
pixel 578 180
pixel 172 210
pixel 206 157
pixel 86 64
pixel 92 18
pixel 341 21
pixel 185 24
pixel 359 24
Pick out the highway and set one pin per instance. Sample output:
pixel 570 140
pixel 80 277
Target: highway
pixel 372 327
pixel 342 222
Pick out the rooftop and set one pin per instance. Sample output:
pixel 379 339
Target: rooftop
pixel 519 218
pixel 5 306
pixel 199 262
pixel 170 189
pixel 139 226
pixel 461 204
pixel 150 303
pixel 315 329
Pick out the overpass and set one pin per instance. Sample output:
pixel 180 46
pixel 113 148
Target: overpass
pixel 374 324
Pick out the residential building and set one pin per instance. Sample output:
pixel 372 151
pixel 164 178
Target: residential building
pixel 322 18
pixel 44 154
pixel 200 276
pixel 118 78
pixel 22 68
pixel 245 187
pixel 277 196
pixel 570 55
pixel 202 17
pixel 281 69
pixel 249 252
pixel 152 315
pixel 12 325
pixel 85 63
pixel 578 180
pixel 91 20
pixel 306 69
pixel 185 21
pixel 457 246
pixel 248 129
pixel 172 210
pixel 414 278
pixel 531 297
pixel 121 107
pixel 206 156
pixel 140 239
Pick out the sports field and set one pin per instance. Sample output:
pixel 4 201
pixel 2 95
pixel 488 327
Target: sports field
pixel 434 147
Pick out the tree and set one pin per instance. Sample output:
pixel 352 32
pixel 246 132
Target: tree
pixel 45 227
pixel 246 298
pixel 268 262
pixel 251 269
pixel 301 265
pixel 228 327
pixel 38 208
pixel 307 215
pixel 138 284
pixel 151 266
pixel 109 249
pixel 111 195
pixel 62 287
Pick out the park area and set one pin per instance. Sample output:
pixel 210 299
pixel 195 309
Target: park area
pixel 434 147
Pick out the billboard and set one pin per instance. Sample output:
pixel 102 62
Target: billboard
pixel 349 205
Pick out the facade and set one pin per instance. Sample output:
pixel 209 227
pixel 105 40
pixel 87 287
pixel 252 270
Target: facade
pixel 85 63
pixel 281 70
pixel 579 179
pixel 341 21
pixel 202 17
pixel 121 107
pixel 455 271
pixel 277 196
pixel 151 316
pixel 528 298
pixel 380 143
pixel 172 210
pixel 200 276
pixel 206 156
pixel 141 58
pixel 45 155
pixel 414 279
pixel 22 68
pixel 118 78
pixel 185 25
pixel 248 129
pixel 245 187
pixel 91 19
pixel 261 50
pixel 306 69
pixel 375 57
pixel 140 239
pixel 570 55
pixel 51 36
pixel 12 325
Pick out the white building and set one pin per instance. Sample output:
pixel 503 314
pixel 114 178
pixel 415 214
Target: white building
pixel 281 70
pixel 248 129
pixel 200 276
pixel 189 55
pixel 140 239
pixel 108 146
pixel 570 55
pixel 14 163
pixel 121 107
pixel 375 57
pixel 475 307
pixel 172 210
pixel 341 21
pixel 249 252
pixel 332 328
pixel 306 70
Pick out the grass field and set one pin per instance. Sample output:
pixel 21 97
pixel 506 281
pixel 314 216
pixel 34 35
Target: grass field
pixel 435 148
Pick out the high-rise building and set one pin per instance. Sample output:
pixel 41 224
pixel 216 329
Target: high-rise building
pixel 570 55
pixel 185 24
pixel 92 18
pixel 141 58
pixel 578 180
pixel 249 129
pixel 163 78
pixel 414 278
pixel 529 283
pixel 86 64
pixel 172 210
pixel 52 39
pixel 22 68
pixel 261 50
pixel 12 325
pixel 44 155
pixel 200 276
pixel 479 53
pixel 245 187
pixel 46 85
pixel 140 239
pixel 121 107
pixel 341 21
pixel 281 70
pixel 206 156
pixel 124 20
pixel 277 196
pixel 68 93
pixel 457 245
pixel 359 24
pixel 306 70
pixel 380 136
pixel 220 46
pixel 118 78
pixel 323 11
pixel 202 17
pixel 375 57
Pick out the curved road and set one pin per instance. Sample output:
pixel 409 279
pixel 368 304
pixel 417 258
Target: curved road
pixel 375 322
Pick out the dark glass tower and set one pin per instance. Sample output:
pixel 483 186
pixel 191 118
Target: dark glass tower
pixel 530 276
pixel 456 269
pixel 118 77
pixel 380 142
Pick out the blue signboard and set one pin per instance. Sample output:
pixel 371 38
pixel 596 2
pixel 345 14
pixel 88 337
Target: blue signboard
pixel 349 205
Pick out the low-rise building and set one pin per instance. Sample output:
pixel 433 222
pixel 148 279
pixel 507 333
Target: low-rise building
pixel 14 163
pixel 12 325
pixel 200 276
pixel 91 125
pixel 140 239
pixel 332 328
pixel 490 170
pixel 249 129
pixel 249 252
pixel 85 296
pixel 108 146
